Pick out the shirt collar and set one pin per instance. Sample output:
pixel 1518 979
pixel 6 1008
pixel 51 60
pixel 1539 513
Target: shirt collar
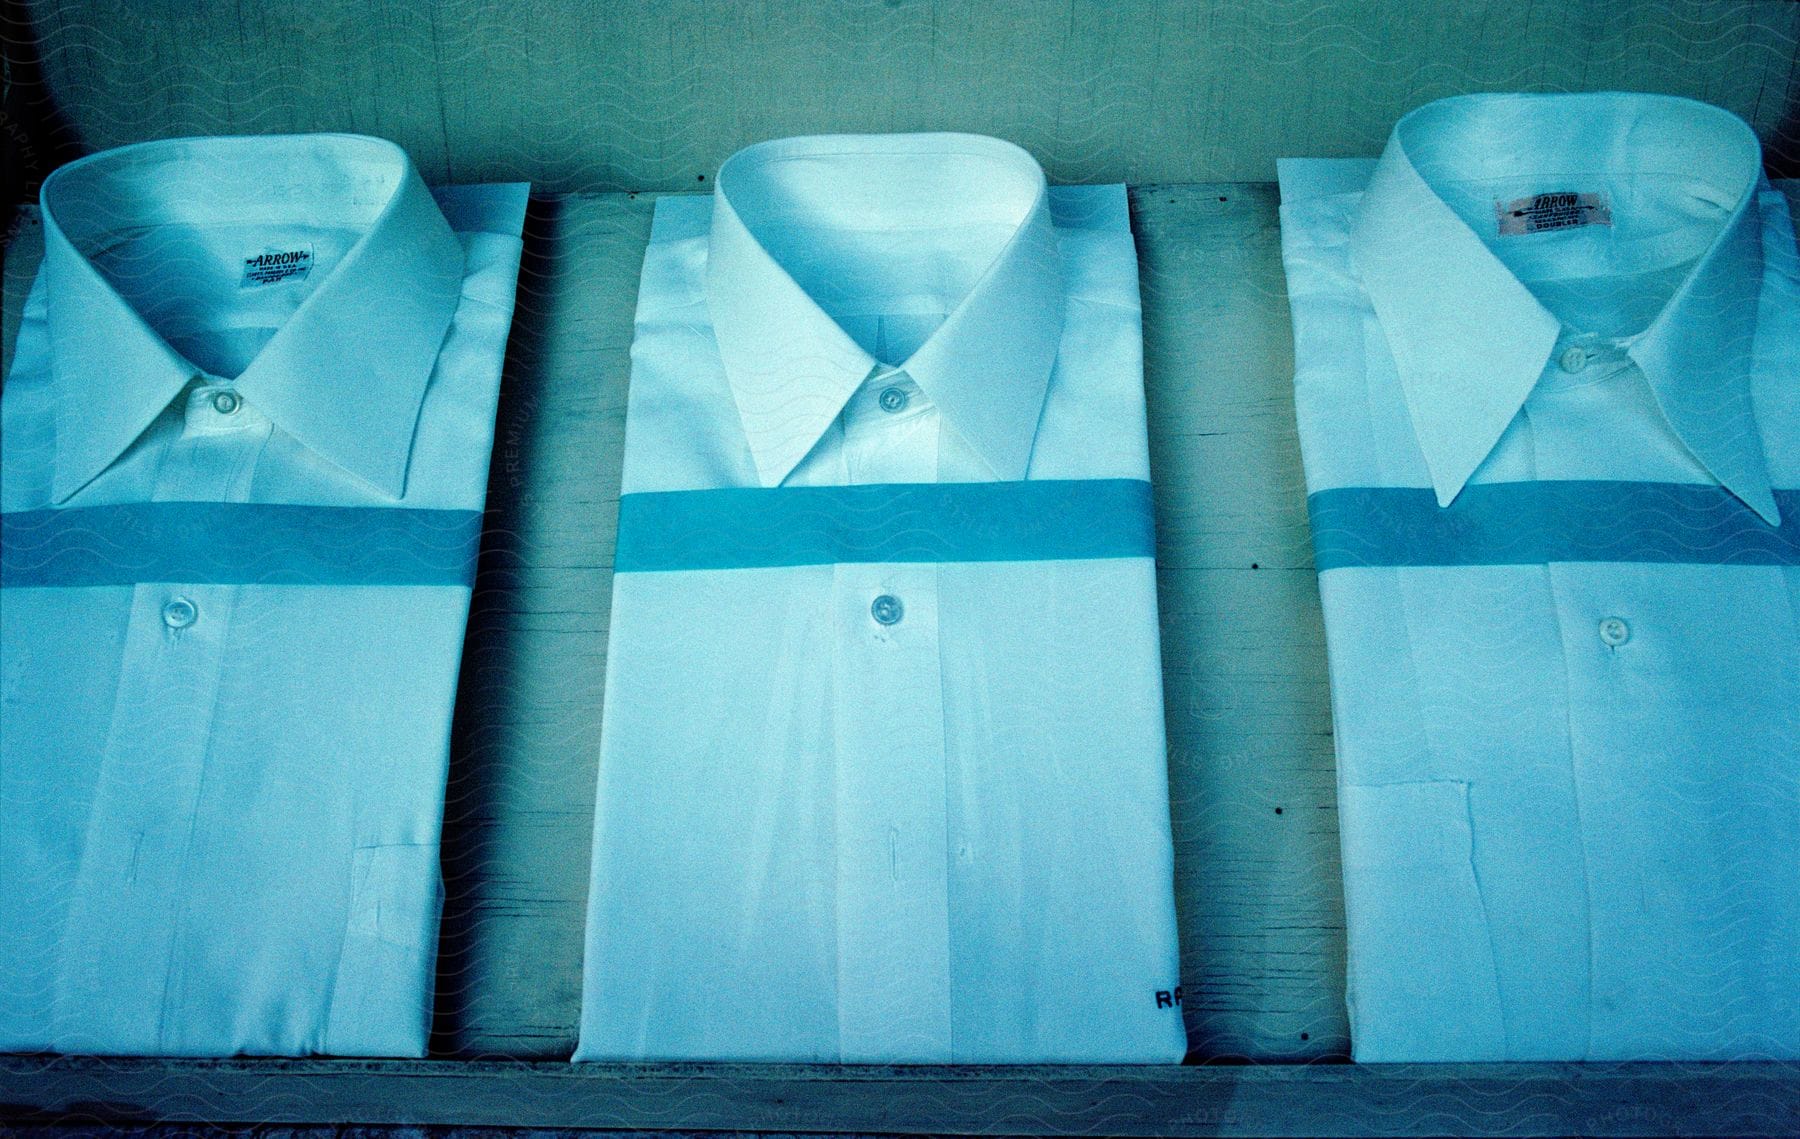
pixel 791 366
pixel 1469 340
pixel 345 375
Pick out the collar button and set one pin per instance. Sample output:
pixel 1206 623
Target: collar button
pixel 1573 359
pixel 227 402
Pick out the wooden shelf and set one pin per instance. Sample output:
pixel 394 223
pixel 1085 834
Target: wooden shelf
pixel 1258 1099
pixel 1250 770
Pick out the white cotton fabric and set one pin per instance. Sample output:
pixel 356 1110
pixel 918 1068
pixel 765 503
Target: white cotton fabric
pixel 223 838
pixel 1562 838
pixel 819 838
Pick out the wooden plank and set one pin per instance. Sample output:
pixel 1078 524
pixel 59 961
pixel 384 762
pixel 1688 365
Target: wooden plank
pixel 1248 712
pixel 1265 1100
pixel 653 94
pixel 524 750
pixel 1248 722
pixel 1251 775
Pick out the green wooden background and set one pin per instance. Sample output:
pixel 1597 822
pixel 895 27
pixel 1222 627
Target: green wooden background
pixel 653 94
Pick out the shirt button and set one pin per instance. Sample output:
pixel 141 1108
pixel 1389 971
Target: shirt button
pixel 887 609
pixel 226 403
pixel 892 399
pixel 1614 631
pixel 1573 359
pixel 180 613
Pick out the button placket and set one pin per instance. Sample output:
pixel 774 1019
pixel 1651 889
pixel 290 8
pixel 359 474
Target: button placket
pixel 893 871
pixel 134 873
pixel 163 706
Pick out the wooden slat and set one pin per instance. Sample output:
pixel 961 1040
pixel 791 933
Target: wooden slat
pixel 525 748
pixel 653 94
pixel 1250 752
pixel 1741 1100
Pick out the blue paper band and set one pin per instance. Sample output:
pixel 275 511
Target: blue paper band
pixel 757 527
pixel 1536 523
pixel 226 543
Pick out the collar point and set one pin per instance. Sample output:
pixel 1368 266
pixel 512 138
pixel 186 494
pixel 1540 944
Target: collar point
pixel 66 484
pixel 1765 507
pixel 390 484
pixel 1013 472
pixel 772 469
pixel 390 488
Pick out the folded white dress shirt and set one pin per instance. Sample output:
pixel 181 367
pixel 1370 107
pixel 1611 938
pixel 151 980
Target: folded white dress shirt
pixel 882 770
pixel 1546 360
pixel 247 435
